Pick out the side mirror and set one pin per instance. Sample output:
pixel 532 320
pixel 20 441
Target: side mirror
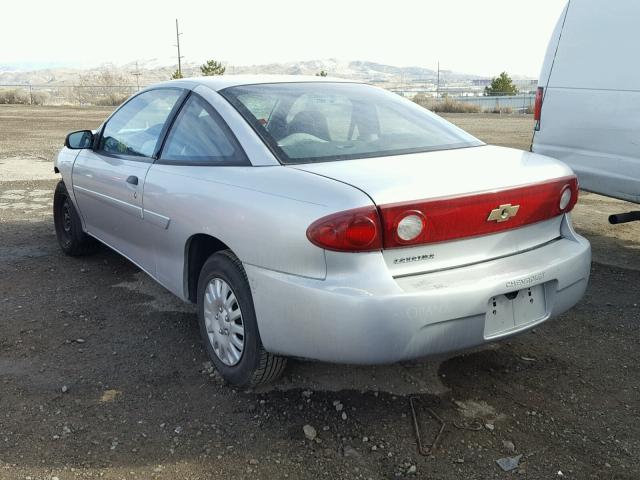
pixel 78 140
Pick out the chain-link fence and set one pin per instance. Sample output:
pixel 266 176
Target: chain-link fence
pixel 470 101
pixel 81 95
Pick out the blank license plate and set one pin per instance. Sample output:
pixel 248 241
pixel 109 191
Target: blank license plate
pixel 505 313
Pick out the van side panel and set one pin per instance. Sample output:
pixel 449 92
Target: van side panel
pixel 597 133
pixel 591 109
pixel 599 46
pixel 550 55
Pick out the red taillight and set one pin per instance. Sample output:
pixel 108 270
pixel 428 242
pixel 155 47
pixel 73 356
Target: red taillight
pixel 443 219
pixel 480 214
pixel 355 230
pixel 537 110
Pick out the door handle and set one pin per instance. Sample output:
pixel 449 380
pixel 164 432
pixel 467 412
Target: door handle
pixel 132 179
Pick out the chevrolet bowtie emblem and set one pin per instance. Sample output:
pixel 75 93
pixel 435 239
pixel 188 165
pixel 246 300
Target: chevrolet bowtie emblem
pixel 503 213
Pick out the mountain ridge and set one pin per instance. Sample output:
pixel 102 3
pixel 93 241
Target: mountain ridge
pixel 151 72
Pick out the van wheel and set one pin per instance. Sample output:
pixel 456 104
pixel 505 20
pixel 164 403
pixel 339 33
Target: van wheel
pixel 72 239
pixel 228 324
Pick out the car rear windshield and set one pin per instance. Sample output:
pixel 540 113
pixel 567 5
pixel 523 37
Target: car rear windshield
pixel 320 122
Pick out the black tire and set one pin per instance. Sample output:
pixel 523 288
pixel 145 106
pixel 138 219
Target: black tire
pixel 72 239
pixel 256 365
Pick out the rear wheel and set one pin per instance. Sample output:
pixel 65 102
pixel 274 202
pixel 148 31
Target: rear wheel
pixel 72 239
pixel 228 324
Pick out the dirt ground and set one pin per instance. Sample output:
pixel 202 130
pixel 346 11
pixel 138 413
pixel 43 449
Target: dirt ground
pixel 102 374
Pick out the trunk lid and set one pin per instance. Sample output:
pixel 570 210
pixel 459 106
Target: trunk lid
pixel 450 173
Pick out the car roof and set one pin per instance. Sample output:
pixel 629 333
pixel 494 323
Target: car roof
pixel 218 82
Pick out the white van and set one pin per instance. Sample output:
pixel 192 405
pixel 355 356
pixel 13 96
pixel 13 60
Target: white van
pixel 588 101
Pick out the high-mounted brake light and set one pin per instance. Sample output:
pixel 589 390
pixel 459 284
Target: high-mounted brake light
pixel 355 230
pixel 537 110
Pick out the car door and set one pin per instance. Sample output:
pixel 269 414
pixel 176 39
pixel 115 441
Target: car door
pixel 108 180
pixel 188 185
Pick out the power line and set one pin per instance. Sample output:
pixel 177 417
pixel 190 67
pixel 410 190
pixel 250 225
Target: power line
pixel 438 81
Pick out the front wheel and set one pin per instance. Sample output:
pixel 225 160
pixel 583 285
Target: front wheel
pixel 228 324
pixel 72 239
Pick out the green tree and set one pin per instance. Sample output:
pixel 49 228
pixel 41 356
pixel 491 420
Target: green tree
pixel 212 67
pixel 176 75
pixel 321 73
pixel 501 85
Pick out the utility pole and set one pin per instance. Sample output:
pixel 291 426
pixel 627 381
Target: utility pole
pixel 137 75
pixel 178 46
pixel 438 82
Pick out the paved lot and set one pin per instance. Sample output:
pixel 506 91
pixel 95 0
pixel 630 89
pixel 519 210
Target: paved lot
pixel 141 401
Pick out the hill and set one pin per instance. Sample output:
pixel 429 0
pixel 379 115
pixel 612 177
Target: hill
pixel 151 72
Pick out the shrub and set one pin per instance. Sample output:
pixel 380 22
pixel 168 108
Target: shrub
pixel 446 105
pixel 105 87
pixel 111 100
pixel 39 98
pixel 17 96
pixel 14 97
pixel 455 106
pixel 422 100
pixel 500 110
pixel 529 109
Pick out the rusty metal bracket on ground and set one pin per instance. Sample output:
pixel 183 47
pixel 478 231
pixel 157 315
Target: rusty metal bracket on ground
pixel 416 426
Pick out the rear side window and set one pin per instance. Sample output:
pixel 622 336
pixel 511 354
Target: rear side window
pixel 200 136
pixel 136 127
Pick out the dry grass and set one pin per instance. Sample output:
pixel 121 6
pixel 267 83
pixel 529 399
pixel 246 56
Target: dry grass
pixel 454 106
pixel 500 110
pixel 15 96
pixel 447 105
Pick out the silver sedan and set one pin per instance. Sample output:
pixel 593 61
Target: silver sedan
pixel 322 219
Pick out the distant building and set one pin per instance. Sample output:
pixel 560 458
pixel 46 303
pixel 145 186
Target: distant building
pixel 525 86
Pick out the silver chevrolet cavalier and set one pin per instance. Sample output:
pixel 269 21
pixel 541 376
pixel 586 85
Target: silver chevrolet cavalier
pixel 322 219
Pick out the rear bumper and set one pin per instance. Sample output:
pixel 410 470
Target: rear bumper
pixel 360 314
